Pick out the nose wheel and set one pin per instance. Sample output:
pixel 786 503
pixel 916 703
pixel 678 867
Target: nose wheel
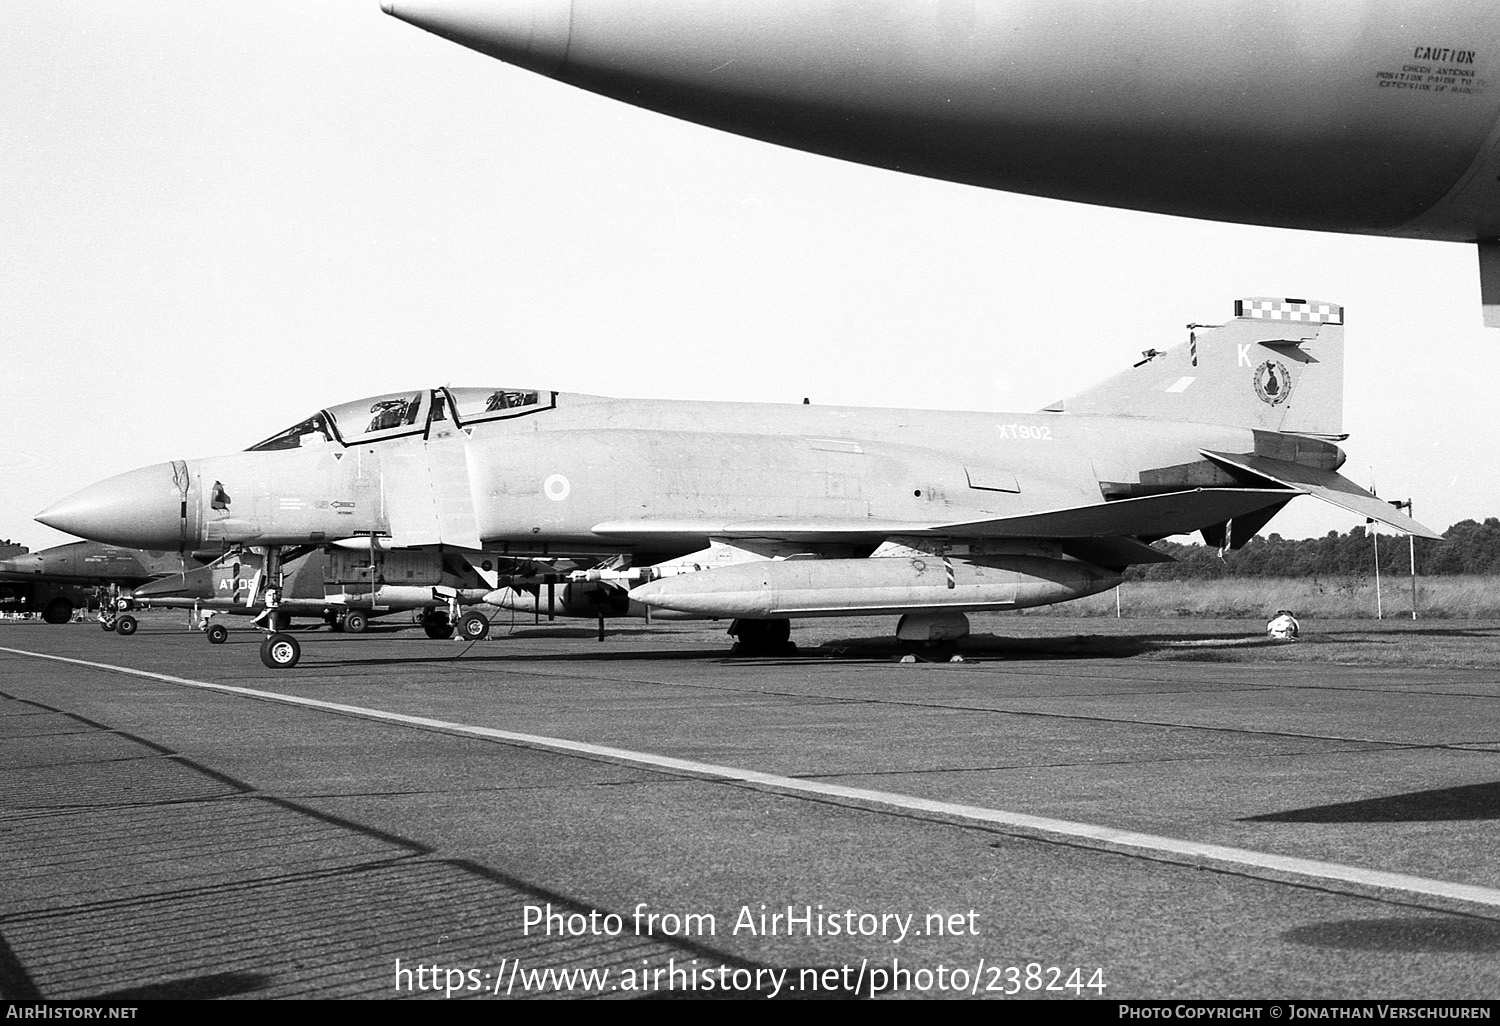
pixel 280 651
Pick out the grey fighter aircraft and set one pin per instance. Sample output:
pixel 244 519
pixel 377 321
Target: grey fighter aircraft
pixel 56 581
pixel 344 586
pixel 1380 117
pixel 764 513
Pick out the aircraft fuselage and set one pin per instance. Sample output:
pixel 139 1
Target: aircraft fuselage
pixel 548 483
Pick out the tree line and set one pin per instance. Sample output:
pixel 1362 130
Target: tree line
pixel 1468 547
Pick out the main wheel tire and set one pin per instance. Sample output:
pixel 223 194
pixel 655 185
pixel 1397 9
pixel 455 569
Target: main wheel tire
pixel 438 631
pixel 59 610
pixel 473 626
pixel 217 634
pixel 106 625
pixel 763 637
pixel 355 623
pixel 280 651
pixel 126 625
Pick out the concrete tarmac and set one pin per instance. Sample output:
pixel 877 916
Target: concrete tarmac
pixel 1064 822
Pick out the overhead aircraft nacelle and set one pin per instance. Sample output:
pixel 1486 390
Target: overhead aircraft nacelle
pixel 1377 117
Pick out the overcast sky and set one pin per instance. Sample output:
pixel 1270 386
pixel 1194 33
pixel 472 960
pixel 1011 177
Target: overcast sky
pixel 218 217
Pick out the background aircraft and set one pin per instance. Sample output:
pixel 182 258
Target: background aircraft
pixel 56 581
pixel 764 513
pixel 1379 117
pixel 343 586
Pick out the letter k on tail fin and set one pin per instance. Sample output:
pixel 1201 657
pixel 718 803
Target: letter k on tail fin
pixel 1278 366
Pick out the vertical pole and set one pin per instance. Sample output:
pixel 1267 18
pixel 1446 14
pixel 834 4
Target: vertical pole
pixel 1379 612
pixel 1411 541
pixel 1117 602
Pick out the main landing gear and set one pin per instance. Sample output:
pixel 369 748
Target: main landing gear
pixel 762 637
pixel 111 604
pixel 59 610
pixel 473 626
pixel 437 625
pixel 932 637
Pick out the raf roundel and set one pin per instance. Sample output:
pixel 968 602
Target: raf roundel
pixel 1272 383
pixel 556 488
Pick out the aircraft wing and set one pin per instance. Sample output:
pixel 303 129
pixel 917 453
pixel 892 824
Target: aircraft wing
pixel 854 530
pixel 1148 516
pixel 81 580
pixel 1326 485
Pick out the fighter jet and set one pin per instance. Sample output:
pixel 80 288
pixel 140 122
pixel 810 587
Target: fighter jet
pixel 1379 118
pixel 56 581
pixel 343 586
pixel 763 513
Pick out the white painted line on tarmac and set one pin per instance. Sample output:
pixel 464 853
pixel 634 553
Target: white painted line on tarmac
pixel 1107 837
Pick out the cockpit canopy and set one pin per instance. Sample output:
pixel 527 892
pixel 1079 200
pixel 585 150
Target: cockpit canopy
pixel 399 414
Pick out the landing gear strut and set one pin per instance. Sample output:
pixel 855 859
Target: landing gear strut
pixel 280 651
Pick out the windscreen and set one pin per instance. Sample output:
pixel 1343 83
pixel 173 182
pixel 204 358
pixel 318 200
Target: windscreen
pixel 312 431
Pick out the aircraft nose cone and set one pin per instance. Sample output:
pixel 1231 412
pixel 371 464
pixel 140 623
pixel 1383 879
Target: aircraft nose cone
pixel 532 34
pixel 141 509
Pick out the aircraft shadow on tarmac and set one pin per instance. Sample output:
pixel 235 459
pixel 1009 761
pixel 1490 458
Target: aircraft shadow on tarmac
pixel 851 650
pixel 213 985
pixel 1449 804
pixel 1416 934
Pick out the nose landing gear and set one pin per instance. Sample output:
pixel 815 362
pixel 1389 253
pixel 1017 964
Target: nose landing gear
pixel 280 651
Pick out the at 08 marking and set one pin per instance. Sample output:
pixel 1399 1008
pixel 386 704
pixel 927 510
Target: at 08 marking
pixel 1028 432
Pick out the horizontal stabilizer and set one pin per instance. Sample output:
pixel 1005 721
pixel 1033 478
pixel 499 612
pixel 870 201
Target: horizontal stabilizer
pixel 1149 516
pixel 1327 485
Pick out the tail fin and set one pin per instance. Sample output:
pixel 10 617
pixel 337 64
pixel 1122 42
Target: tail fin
pixel 1278 366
